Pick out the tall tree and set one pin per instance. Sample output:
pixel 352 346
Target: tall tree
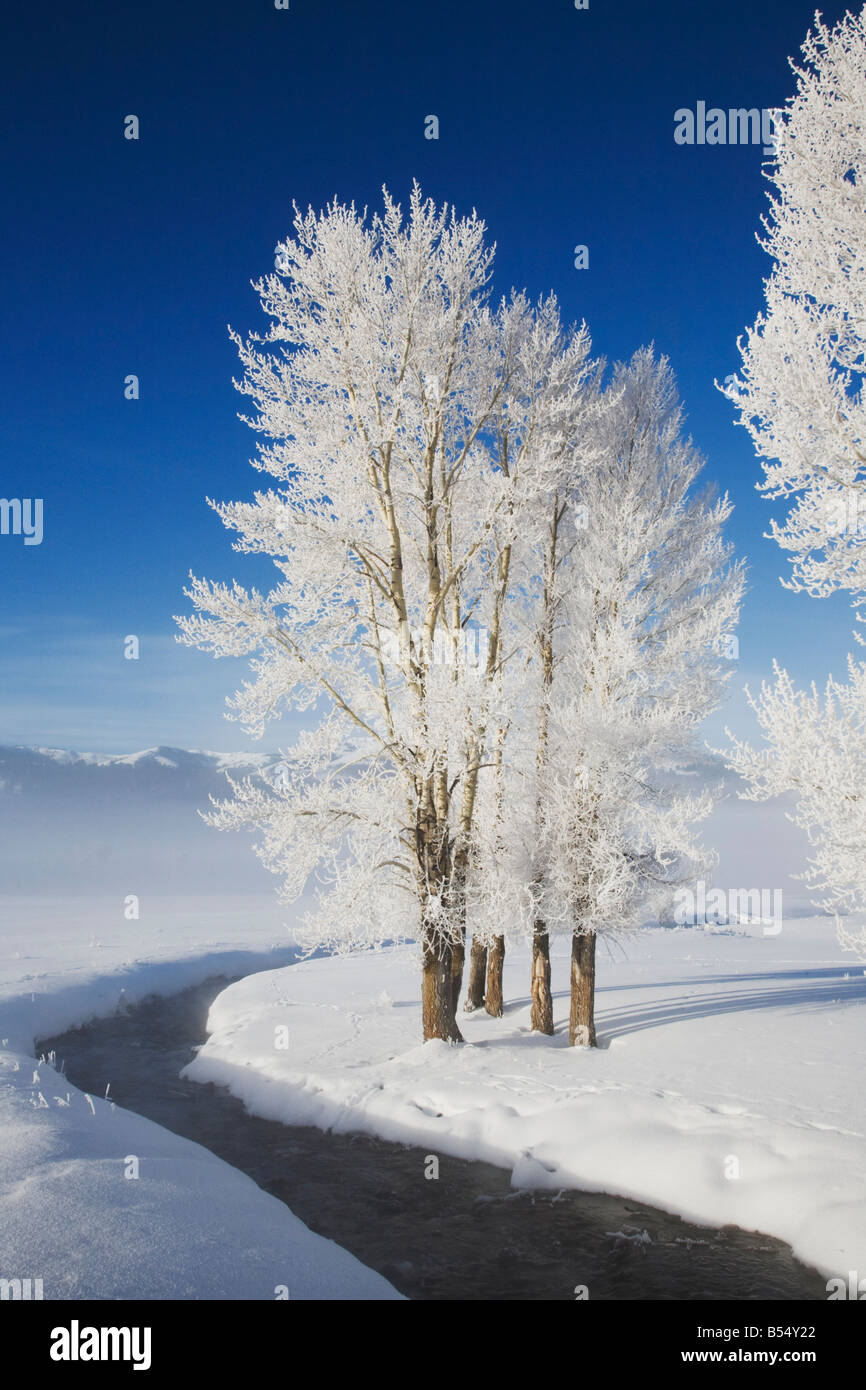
pixel 800 395
pixel 404 420
pixel 650 593
pixel 800 390
pixel 816 749
pixel 560 383
pixel 626 593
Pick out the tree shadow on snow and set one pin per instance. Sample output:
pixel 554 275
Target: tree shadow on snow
pixel 801 990
pixel 804 990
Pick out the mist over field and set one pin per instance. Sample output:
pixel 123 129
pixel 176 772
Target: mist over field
pixel 96 824
pixel 101 824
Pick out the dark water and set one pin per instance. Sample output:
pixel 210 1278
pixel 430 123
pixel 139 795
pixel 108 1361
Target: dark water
pixel 468 1235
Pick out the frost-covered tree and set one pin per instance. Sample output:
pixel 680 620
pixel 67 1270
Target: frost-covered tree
pixel 627 593
pixel 800 391
pixel 548 521
pixel 557 541
pixel 647 595
pixel 507 870
pixel 508 860
pixel 800 395
pixel 544 434
pixel 406 423
pixel 816 748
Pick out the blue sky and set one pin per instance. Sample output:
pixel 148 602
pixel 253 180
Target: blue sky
pixel 133 256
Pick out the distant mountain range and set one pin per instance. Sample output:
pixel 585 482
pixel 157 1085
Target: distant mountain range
pixel 168 772
pixel 101 823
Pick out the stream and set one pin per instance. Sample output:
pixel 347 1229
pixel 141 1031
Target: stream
pixel 467 1236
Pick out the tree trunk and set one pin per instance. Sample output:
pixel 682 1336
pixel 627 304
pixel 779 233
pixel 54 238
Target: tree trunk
pixel 541 1014
pixel 495 958
pixel 477 973
pixel 438 968
pixel 437 999
pixel 458 959
pixel 581 1022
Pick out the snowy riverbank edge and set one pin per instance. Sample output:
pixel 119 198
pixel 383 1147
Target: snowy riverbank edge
pixel 726 1088
pixel 99 1203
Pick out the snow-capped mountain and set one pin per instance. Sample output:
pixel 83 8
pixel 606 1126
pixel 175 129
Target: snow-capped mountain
pixel 95 822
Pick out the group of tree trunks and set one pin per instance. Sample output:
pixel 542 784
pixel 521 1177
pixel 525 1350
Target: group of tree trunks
pixel 484 986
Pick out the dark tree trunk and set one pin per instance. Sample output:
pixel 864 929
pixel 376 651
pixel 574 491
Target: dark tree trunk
pixel 458 960
pixel 581 1022
pixel 477 973
pixel 495 959
pixel 438 969
pixel 437 998
pixel 541 1014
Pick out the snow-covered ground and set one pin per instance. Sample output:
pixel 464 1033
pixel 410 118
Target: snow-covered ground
pixel 98 1203
pixel 727 1086
pixel 114 889
pixel 65 960
pixel 188 1226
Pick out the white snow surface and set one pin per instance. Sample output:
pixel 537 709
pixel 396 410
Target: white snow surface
pixel 716 1045
pixel 727 1087
pixel 189 1226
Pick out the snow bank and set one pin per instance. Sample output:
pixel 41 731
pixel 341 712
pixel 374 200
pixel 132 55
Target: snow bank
pixel 726 1089
pixel 66 960
pixel 71 1212
pixel 99 1203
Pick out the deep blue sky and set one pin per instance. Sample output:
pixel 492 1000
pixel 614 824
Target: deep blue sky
pixel 132 257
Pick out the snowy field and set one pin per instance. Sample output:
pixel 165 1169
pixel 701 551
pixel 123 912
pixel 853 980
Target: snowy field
pixel 727 1086
pixel 116 890
pixel 189 1226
